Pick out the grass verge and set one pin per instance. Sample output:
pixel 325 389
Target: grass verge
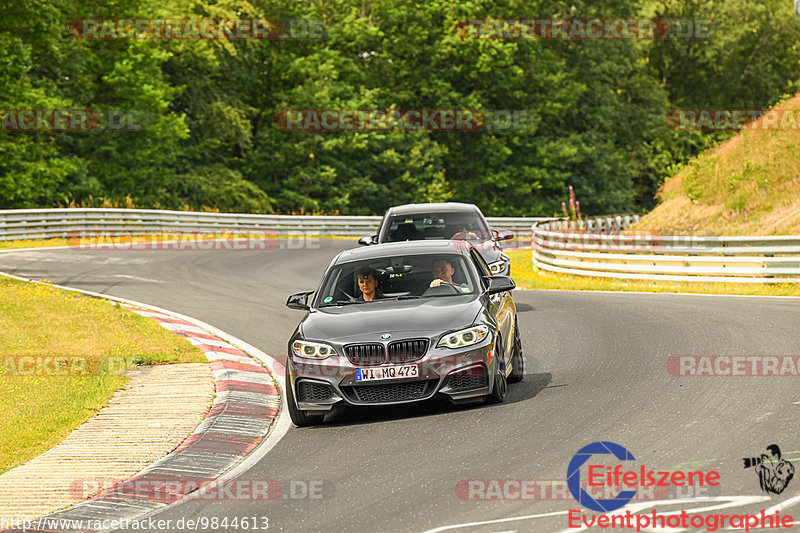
pixel 527 276
pixel 748 185
pixel 62 356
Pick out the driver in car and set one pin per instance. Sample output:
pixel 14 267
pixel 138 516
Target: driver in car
pixel 443 271
pixel 368 284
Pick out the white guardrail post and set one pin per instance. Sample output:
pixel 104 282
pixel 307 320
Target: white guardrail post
pixel 600 249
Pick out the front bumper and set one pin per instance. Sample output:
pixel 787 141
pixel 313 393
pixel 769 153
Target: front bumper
pixel 454 375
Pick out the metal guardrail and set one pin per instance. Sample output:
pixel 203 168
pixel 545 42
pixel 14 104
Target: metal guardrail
pixel 596 248
pixel 18 224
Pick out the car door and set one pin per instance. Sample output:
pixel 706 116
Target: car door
pixel 501 306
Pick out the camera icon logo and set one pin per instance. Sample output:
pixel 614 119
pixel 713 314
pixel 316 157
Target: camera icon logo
pixel 601 505
pixel 774 473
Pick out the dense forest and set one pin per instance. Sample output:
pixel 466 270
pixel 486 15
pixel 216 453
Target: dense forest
pixel 196 123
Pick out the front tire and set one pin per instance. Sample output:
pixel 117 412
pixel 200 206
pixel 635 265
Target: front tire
pixel 299 418
pixel 500 383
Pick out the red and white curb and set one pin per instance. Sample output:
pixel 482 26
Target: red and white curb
pixel 247 418
pixel 246 392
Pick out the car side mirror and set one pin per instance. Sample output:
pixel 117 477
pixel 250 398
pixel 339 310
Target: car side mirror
pixel 299 300
pixel 366 240
pixel 500 284
pixel 503 234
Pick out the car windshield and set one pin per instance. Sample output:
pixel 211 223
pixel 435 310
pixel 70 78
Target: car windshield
pixel 397 278
pixel 461 225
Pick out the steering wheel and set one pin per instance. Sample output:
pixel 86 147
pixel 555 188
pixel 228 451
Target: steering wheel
pixel 441 290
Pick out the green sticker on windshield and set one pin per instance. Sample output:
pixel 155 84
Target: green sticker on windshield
pixel 328 299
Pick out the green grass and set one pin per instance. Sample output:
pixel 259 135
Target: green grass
pixel 748 185
pixel 527 276
pixel 94 340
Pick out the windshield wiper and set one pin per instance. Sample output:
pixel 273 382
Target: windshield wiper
pixel 407 297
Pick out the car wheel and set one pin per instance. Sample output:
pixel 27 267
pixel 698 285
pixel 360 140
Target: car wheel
pixel 517 362
pixel 299 418
pixel 500 384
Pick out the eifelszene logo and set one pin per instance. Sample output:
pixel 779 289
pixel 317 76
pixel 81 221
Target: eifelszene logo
pixel 774 473
pixel 606 476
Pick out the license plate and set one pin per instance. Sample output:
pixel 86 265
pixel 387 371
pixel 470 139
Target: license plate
pixel 387 372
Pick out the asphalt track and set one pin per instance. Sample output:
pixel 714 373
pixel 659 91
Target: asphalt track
pixel 595 370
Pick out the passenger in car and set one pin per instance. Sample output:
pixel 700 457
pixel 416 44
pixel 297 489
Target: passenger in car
pixel 443 271
pixel 462 234
pixel 368 284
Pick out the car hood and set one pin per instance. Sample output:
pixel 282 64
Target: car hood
pixel 402 318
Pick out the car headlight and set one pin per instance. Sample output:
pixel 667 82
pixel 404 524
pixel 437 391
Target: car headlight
pixel 464 337
pixel 312 350
pixel 497 267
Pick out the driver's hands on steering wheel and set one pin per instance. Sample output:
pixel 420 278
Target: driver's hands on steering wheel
pixel 437 282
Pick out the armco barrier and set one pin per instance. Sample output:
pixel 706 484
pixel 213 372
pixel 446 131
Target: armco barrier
pixel 45 223
pixel 596 248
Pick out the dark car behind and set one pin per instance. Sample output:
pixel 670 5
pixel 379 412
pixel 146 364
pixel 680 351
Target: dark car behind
pixel 449 220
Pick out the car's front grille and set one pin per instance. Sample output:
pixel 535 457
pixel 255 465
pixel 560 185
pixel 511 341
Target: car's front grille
pixel 390 392
pixel 406 351
pixel 471 378
pixel 365 354
pixel 308 391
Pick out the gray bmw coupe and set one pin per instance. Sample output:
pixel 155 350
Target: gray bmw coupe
pixel 399 323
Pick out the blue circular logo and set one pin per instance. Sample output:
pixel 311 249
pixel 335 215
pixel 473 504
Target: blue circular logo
pixel 574 476
pixel 386 336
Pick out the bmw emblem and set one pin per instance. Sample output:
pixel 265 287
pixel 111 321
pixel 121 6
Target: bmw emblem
pixel 386 336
